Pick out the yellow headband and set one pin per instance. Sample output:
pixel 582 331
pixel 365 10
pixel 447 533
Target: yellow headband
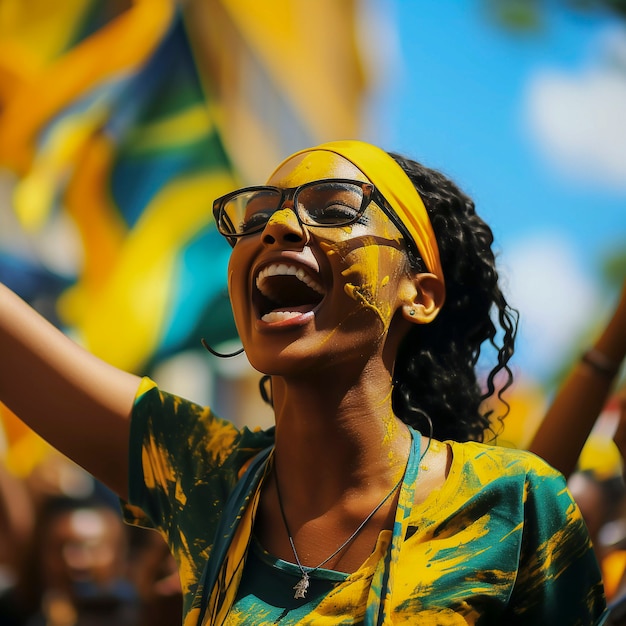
pixel 394 184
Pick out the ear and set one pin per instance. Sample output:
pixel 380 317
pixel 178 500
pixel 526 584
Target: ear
pixel 424 296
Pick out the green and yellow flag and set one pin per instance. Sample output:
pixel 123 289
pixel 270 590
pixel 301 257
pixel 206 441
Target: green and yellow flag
pixel 104 117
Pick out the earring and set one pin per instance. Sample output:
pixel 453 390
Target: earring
pixel 219 354
pixel 412 312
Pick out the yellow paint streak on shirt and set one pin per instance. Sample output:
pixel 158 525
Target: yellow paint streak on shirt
pixel 513 531
pixel 155 475
pixel 237 618
pixel 186 567
pixel 221 439
pixel 430 617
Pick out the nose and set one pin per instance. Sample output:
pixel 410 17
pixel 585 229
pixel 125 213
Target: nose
pixel 284 227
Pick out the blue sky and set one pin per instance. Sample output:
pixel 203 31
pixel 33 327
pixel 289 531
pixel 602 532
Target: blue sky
pixel 533 127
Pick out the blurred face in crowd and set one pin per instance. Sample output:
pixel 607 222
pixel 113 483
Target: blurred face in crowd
pixel 84 545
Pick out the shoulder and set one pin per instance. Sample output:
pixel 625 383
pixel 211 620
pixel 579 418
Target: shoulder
pixel 507 486
pixel 470 468
pixel 165 420
pixel 509 479
pixel 485 459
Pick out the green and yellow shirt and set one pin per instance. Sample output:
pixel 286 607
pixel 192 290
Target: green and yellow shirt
pixel 502 542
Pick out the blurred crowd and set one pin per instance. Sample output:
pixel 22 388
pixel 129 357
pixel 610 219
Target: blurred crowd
pixel 68 559
pixel 599 487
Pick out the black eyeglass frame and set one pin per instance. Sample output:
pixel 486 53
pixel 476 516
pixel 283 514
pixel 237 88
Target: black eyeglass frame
pixel 370 193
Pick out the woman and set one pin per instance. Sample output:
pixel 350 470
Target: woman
pixel 369 319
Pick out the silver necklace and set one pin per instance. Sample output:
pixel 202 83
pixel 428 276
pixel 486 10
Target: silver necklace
pixel 302 586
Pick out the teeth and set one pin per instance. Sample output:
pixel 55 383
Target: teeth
pixel 282 269
pixel 279 316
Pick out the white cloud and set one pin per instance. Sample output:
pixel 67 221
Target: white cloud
pixel 579 120
pixel 548 285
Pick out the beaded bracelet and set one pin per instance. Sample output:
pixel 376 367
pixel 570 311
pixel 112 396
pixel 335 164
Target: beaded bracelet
pixel 600 363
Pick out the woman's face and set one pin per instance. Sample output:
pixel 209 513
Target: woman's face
pixel 305 296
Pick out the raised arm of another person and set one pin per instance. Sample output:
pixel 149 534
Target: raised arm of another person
pixel 77 402
pixel 581 398
pixel 620 432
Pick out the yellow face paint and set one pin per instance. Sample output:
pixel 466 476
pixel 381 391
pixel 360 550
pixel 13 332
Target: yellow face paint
pixel 364 284
pixel 371 290
pixel 282 217
pixel 392 182
pixel 366 291
pixel 309 165
pixel 366 275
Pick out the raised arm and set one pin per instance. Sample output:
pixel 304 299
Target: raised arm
pixel 620 432
pixel 78 403
pixel 581 398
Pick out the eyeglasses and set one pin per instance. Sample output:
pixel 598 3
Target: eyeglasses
pixel 321 203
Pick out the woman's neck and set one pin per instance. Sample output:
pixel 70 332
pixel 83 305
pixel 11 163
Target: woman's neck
pixel 338 438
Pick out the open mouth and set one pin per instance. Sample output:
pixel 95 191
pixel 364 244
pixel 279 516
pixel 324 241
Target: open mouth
pixel 286 291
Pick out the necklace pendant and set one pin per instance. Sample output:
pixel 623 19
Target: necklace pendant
pixel 301 587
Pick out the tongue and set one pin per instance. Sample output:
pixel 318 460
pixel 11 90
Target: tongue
pixel 284 313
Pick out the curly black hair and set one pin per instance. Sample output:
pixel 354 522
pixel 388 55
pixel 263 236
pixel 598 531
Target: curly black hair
pixel 436 383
